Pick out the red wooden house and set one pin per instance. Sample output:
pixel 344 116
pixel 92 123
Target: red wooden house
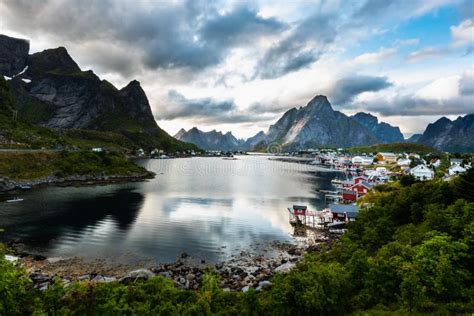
pixel 362 188
pixel 349 195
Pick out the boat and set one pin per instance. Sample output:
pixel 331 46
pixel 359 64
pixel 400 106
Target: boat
pixel 24 187
pixel 15 199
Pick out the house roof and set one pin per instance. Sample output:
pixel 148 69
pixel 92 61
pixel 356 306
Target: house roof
pixel 300 207
pixel 349 192
pixel 387 154
pixel 344 208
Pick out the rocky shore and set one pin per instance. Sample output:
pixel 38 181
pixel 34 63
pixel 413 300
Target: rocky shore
pixel 247 269
pixel 7 185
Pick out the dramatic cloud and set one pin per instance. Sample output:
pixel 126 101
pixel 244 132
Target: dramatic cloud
pixel 204 110
pixel 246 62
pixel 300 48
pixel 189 34
pixel 346 89
pixel 411 105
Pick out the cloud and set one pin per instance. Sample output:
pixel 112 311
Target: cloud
pixel 205 110
pixel 411 105
pixel 300 48
pixel 346 89
pixel 423 54
pixel 466 83
pixel 463 33
pixel 451 95
pixel 240 25
pixel 183 34
pixel 371 58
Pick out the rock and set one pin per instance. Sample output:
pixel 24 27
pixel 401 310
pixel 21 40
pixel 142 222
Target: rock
pixel 294 251
pixel 103 279
pixel 140 274
pixel 264 284
pixel 13 55
pixel 286 267
pixel 246 288
pixel 12 258
pixel 85 277
pixel 165 274
pixel 190 276
pixel 184 255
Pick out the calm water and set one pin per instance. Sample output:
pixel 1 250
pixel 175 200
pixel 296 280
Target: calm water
pixel 207 207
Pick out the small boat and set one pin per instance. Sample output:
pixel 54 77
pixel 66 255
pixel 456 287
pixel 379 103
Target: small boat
pixel 15 199
pixel 25 187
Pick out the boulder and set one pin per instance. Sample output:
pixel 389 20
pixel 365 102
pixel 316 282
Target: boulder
pixel 286 267
pixel 140 274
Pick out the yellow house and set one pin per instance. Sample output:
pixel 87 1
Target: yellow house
pixel 386 157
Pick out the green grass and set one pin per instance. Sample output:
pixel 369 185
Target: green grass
pixel 393 147
pixel 30 166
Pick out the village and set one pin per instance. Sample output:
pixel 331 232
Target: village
pixel 364 172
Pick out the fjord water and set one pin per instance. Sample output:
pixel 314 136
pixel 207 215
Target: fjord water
pixel 209 208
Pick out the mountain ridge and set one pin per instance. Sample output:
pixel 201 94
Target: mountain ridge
pixel 52 91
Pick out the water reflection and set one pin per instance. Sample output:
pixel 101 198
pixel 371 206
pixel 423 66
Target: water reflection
pixel 207 207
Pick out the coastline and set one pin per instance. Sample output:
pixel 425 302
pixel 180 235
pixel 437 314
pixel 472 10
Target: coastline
pixel 7 185
pixel 249 268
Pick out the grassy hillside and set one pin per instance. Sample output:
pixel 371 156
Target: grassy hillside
pixel 393 147
pixel 30 166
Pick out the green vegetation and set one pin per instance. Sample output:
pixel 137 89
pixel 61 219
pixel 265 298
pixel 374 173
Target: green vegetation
pixel 410 252
pixel 30 166
pixel 393 147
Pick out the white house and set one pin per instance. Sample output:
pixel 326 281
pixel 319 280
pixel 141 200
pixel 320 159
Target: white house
pixel 455 161
pixel 456 169
pixel 435 163
pixel 362 160
pixel 403 162
pixel 422 172
pixel 97 149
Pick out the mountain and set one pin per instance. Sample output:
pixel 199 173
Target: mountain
pixel 384 132
pixel 413 138
pixel 49 89
pixel 13 55
pixel 212 140
pixel 452 136
pixel 317 124
pixel 253 141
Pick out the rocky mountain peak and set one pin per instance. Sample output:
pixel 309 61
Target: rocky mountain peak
pixel 367 117
pixel 55 60
pixel 385 132
pixel 13 55
pixel 319 103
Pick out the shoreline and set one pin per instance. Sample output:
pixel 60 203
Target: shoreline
pixel 7 185
pixel 249 268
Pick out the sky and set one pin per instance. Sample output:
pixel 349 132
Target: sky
pixel 238 66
